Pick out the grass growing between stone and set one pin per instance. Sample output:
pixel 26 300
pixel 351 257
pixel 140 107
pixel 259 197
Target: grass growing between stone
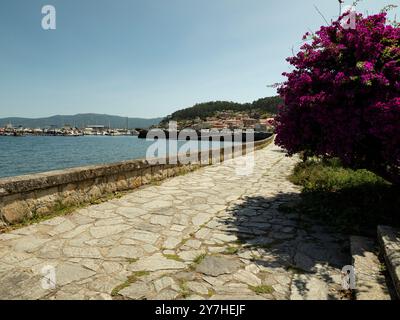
pixel 173 257
pixel 211 292
pixel 131 279
pixel 353 201
pixel 231 250
pixel 197 261
pixel 184 290
pixel 199 258
pixel 263 289
pixel 60 209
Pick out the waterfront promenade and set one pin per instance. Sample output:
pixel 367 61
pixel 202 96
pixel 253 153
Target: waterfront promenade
pixel 209 234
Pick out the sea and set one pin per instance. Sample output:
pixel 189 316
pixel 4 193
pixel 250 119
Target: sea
pixel 35 154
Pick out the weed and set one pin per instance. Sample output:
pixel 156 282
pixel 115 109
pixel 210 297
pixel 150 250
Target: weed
pixel 131 279
pixel 263 289
pixel 173 257
pixel 231 250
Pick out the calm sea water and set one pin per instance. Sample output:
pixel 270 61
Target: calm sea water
pixel 24 155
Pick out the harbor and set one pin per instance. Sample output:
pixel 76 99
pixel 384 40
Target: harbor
pixel 66 131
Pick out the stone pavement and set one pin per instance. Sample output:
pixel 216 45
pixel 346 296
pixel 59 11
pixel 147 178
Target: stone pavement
pixel 210 234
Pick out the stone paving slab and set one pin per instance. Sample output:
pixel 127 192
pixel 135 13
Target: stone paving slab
pixel 389 239
pixel 370 282
pixel 209 234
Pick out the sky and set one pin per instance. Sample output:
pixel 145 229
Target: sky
pixel 149 58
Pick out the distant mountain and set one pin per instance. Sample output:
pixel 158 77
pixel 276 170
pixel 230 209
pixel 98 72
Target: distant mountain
pixel 82 120
pixel 266 106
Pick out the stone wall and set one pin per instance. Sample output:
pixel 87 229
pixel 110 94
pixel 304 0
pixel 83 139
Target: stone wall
pixel 41 194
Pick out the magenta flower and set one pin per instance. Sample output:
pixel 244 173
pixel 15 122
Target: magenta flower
pixel 342 99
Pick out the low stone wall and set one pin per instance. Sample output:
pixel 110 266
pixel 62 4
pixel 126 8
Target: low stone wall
pixel 41 194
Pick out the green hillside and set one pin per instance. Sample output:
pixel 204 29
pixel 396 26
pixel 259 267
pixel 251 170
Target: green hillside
pixel 264 106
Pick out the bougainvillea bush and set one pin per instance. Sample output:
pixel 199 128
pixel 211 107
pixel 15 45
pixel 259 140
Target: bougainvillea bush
pixel 343 97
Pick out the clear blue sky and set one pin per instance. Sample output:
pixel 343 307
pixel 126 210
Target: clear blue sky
pixel 148 58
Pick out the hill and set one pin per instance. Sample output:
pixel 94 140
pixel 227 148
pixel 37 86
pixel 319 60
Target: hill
pixel 264 106
pixel 81 120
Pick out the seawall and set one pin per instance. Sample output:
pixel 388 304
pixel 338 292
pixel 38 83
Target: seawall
pixel 41 194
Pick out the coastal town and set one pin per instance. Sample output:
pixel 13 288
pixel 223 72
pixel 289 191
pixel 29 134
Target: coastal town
pixel 231 120
pixel 227 120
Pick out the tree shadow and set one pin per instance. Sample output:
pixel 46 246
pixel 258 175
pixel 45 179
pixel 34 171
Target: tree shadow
pixel 278 239
pixel 357 210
